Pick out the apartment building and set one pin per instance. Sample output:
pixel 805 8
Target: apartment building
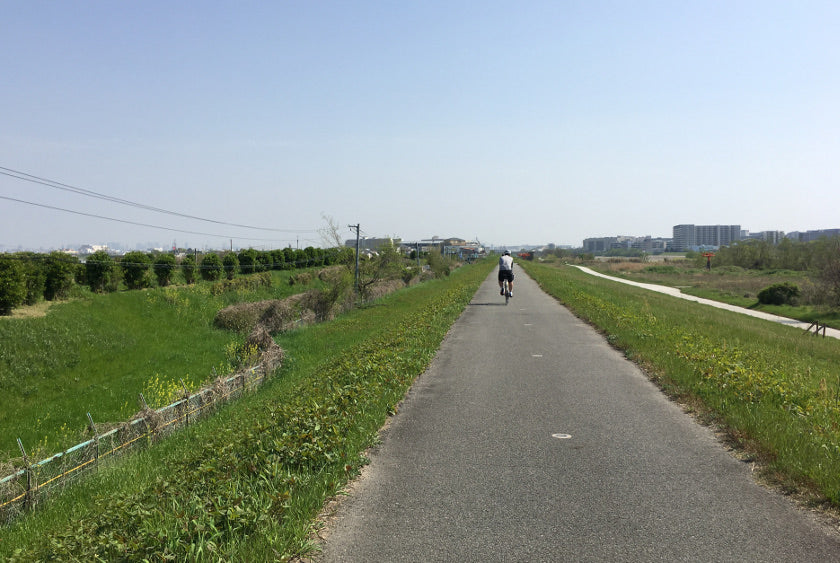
pixel 689 237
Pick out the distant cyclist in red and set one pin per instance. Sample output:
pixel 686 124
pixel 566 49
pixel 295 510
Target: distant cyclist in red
pixel 506 272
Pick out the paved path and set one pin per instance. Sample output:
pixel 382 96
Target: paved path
pixel 832 332
pixel 530 439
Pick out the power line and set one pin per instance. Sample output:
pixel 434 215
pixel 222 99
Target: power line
pixel 135 222
pixel 81 191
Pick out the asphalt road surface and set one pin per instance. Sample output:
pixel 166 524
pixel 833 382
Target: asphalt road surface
pixel 530 439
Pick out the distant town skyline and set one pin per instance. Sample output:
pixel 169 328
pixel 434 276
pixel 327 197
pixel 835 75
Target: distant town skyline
pixel 157 246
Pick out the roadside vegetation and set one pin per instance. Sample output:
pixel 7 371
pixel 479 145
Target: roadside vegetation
pixel 248 483
pixel 772 389
pixel 97 353
pixel 28 278
pixel 795 280
pixel 93 350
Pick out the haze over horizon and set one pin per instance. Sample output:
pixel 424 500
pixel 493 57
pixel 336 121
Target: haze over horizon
pixel 543 122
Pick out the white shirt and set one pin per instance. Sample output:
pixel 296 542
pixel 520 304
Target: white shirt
pixel 506 263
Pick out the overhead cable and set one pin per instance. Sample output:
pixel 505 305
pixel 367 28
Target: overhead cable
pixel 134 222
pixel 81 191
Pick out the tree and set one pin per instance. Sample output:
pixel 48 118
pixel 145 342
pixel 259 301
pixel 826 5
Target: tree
pixel 188 268
pixel 343 255
pixel 248 261
pixel 314 256
pixel 211 267
pixel 438 263
pixel 230 263
pixel 100 271
pixel 386 265
pixel 330 234
pixel 829 268
pixel 299 258
pixel 289 258
pixel 60 269
pixel 264 261
pixel 34 269
pixel 164 267
pixel 12 283
pixel 135 267
pixel 278 259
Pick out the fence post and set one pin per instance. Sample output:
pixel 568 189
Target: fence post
pixel 186 401
pixel 145 419
pixel 31 482
pixel 95 438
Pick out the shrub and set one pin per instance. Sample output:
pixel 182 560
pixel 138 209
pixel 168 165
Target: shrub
pixel 248 261
pixel 265 262
pixel 779 294
pixel 100 271
pixel 661 270
pixel 248 283
pixel 164 267
pixel 12 284
pixel 438 264
pixel 135 267
pixel 230 263
pixel 188 268
pixel 59 271
pixel 241 317
pixel 211 267
pixel 303 278
pixel 36 277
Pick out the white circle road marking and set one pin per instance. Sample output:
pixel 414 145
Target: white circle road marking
pixel 536 355
pixel 561 436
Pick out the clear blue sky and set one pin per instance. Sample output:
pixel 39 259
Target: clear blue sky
pixel 532 122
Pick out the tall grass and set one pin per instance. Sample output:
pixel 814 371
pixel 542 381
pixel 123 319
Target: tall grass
pixel 775 389
pixel 248 483
pixel 97 353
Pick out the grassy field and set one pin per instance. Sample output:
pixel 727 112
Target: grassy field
pixel 728 284
pixel 248 483
pixel 97 353
pixel 775 391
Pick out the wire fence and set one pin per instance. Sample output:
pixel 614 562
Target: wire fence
pixel 30 486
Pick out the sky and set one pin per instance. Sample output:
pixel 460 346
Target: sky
pixel 258 124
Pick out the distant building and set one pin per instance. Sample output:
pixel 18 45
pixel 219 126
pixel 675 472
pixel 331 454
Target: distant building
pixel 372 243
pixel 87 249
pixel 773 237
pixel 809 236
pixel 602 245
pixel 692 237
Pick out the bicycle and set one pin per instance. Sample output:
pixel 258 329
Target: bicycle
pixel 506 289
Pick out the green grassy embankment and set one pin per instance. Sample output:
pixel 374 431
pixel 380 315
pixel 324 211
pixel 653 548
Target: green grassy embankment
pixel 97 353
pixel 729 284
pixel 248 483
pixel 775 390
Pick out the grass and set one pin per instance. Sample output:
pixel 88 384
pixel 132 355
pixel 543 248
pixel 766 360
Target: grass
pixel 774 391
pixel 728 284
pixel 248 483
pixel 97 353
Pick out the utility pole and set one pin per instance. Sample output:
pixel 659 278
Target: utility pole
pixel 357 227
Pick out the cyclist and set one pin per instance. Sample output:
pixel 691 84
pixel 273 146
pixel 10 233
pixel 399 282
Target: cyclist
pixel 506 272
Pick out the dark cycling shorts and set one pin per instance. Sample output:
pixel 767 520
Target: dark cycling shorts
pixel 506 274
